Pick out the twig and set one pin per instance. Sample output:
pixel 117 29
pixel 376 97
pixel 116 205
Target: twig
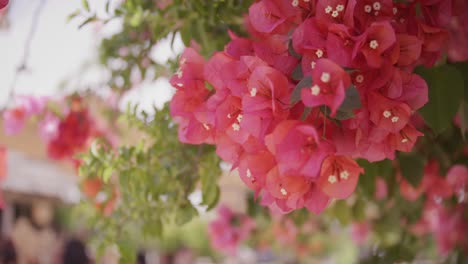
pixel 26 50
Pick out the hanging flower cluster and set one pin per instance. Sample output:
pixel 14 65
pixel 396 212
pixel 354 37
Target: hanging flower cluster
pixel 441 216
pixel 294 140
pixel 229 230
pixel 67 129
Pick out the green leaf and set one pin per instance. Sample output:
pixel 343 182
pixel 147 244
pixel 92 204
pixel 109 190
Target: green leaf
pixel 186 34
pixel 106 174
pixel 352 101
pixel 342 212
pixel 297 73
pixel 367 180
pixel 85 5
pixel 446 87
pixel 185 214
pixel 152 228
pixel 292 51
pixel 210 197
pixel 88 20
pixel 412 167
pixel 73 15
pixel 127 251
pixel 306 82
pixel 463 113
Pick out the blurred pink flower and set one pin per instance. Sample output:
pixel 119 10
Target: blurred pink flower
pixel 25 106
pixel 48 127
pixel 381 190
pixel 229 230
pixel 13 120
pixel 360 232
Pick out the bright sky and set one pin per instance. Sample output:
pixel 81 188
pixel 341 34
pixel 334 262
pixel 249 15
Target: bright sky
pixel 60 51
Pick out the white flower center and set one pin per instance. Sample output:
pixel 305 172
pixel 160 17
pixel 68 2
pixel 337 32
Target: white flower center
pixel 315 90
pixel 387 114
pixel 374 44
pixel 183 61
pixel 339 8
pixel 335 14
pixel 283 191
pixel 328 9
pixel 206 126
pixel 332 179
pixel 360 78
pixel 295 3
pixel 319 53
pixel 312 64
pixel 239 118
pixel 235 127
pixel 367 8
pixel 253 92
pixel 404 140
pixel 395 10
pixel 325 77
pixel 248 174
pixel 395 119
pixel 377 6
pixel 344 175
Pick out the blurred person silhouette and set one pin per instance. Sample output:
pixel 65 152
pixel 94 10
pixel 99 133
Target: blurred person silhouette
pixel 7 252
pixel 74 252
pixel 141 259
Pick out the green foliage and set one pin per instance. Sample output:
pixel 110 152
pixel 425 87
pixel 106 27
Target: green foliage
pixel 145 23
pixel 446 92
pixel 155 179
pixel 305 83
pixel 412 167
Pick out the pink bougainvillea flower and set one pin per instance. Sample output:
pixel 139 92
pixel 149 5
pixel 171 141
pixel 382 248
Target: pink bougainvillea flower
pixel 268 16
pixel 339 176
pixel 409 48
pixel 274 51
pixel 315 200
pixel 285 186
pixel 335 12
pixel 3 3
pixel 360 232
pixel 73 133
pixel 341 45
pixel 229 230
pixel 297 148
pixel 307 36
pixel 253 169
pixel 405 139
pixel 381 189
pixel 368 11
pixel 266 101
pixel 330 82
pixel 409 192
pixel 457 177
pixel 24 107
pixel 389 115
pixel 377 39
pixel 191 68
pixel 13 120
pixel 3 162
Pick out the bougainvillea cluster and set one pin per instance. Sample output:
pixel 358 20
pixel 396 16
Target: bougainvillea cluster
pixel 442 217
pixel 229 230
pixel 67 129
pixel 317 85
